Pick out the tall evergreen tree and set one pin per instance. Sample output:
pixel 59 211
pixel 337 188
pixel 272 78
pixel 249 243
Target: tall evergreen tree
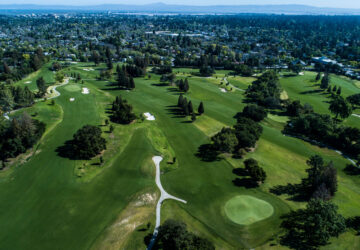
pixel 40 83
pixel 201 109
pixel 132 83
pixel 186 85
pixel 325 81
pixel 180 100
pixel 338 91
pixel 318 76
pixel 190 107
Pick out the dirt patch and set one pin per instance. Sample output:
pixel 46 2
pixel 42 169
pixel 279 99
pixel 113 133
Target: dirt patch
pixel 137 213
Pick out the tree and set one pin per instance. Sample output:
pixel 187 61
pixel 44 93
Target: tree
pixel 318 76
pixel 354 100
pixel 173 235
pixel 329 89
pixel 122 111
pixel 225 140
pixel 59 76
pixel 87 142
pixel 338 90
pixel 201 108
pixel 339 106
pixel 320 176
pixel 190 107
pixel 325 81
pixel 254 112
pixel 186 85
pixel 95 57
pixel 180 100
pixel 41 85
pixel 7 70
pixel 132 83
pixel 193 117
pixel 313 227
pixel 254 170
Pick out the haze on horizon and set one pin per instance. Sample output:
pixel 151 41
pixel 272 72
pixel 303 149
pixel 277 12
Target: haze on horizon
pixel 318 3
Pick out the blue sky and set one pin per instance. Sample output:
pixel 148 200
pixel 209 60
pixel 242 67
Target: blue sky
pixel 320 3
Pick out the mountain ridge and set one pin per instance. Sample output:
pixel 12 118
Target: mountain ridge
pixel 159 7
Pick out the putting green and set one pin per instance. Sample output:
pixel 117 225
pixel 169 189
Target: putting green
pixel 245 209
pixel 73 88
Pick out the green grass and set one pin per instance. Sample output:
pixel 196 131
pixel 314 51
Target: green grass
pixel 30 80
pixel 246 210
pixel 53 202
pixel 305 89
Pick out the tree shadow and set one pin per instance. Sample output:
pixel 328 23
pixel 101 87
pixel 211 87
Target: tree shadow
pixel 240 172
pixel 351 169
pixel 173 90
pixel 147 239
pixel 354 223
pixel 208 153
pixel 296 191
pixel 160 84
pixel 315 91
pixel 67 150
pixel 245 182
pixel 175 111
pixel 278 112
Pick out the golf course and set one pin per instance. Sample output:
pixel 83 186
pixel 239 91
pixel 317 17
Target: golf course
pixel 54 202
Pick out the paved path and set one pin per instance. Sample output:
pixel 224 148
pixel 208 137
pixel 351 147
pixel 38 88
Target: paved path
pixel 53 88
pixel 164 195
pixel 48 91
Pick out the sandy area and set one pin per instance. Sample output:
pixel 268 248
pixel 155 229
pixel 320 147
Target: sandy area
pixel 223 90
pixel 149 116
pixel 72 99
pixel 85 91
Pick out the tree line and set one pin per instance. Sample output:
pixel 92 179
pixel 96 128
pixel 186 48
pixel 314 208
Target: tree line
pixel 18 135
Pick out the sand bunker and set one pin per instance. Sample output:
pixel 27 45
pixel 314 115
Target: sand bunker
pixel 88 69
pixel 149 116
pixel 72 99
pixel 85 91
pixel 223 90
pixel 27 82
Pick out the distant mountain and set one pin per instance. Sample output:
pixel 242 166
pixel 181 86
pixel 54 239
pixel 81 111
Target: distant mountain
pixel 186 9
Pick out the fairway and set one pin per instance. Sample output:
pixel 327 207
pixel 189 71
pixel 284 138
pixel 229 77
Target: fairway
pixel 246 209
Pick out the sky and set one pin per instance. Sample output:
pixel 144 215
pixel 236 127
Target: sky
pixel 318 3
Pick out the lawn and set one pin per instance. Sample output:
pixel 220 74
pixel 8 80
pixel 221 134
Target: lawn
pixel 52 201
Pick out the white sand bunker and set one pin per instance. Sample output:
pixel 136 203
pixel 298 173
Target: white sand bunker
pixel 86 69
pixel 301 73
pixel 27 82
pixel 223 90
pixel 149 116
pixel 72 99
pixel 85 91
